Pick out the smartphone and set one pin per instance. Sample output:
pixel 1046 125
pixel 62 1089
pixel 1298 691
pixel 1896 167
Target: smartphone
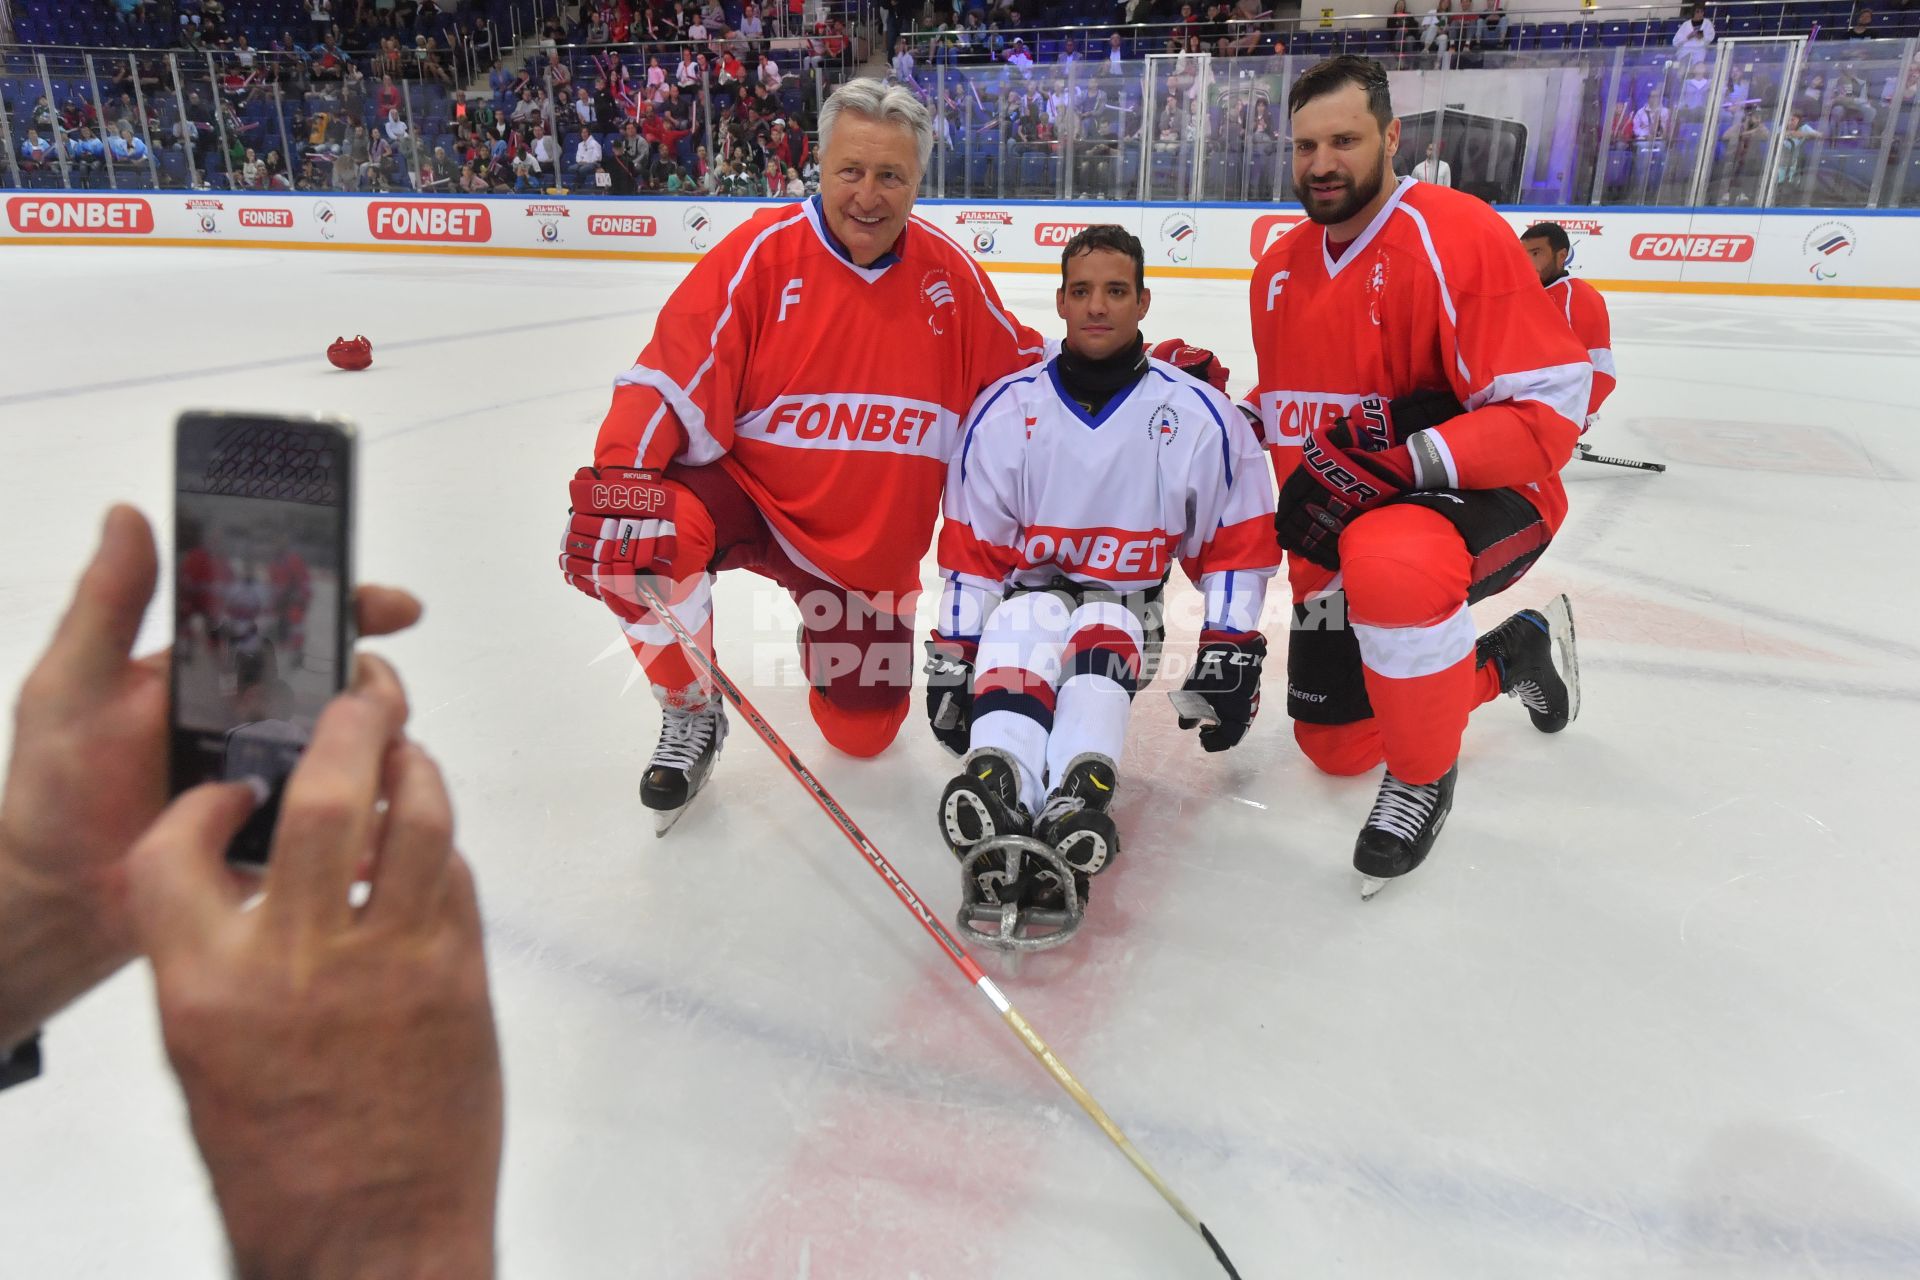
pixel 263 599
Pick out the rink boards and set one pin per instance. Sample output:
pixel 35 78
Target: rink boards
pixel 1838 253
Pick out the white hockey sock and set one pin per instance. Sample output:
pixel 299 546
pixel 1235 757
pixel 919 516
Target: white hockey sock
pixel 1089 715
pixel 1023 738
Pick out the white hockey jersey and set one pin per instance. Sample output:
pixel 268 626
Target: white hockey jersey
pixel 1040 490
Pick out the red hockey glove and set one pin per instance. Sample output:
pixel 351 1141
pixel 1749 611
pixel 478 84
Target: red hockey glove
pixel 1380 425
pixel 620 527
pixel 1195 362
pixel 354 354
pixel 1334 483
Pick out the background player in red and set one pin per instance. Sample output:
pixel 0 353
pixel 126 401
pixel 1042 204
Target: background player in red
pixel 200 590
pixel 292 593
pixel 1547 247
pixel 793 415
pixel 1374 323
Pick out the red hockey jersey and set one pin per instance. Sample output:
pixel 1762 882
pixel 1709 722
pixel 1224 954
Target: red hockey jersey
pixel 833 393
pixel 1586 313
pixel 1435 293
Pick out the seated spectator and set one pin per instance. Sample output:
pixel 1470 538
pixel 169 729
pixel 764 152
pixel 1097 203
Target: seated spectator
pixel 345 174
pixel 752 29
pixel 395 128
pixel 87 151
pixel 558 74
pixel 35 151
pixel 687 74
pixel 1017 55
pixel 769 74
pixel 582 108
pixel 1691 39
pixel 1790 167
pixel 1862 28
pixel 730 71
pixel 546 153
pixel 1849 101
pixel 1653 122
pixel 795 189
pixel 126 147
pixel 253 174
pixel 587 156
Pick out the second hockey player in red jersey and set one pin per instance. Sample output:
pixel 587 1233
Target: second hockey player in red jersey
pixel 1421 394
pixel 1077 486
pixel 1548 248
pixel 793 416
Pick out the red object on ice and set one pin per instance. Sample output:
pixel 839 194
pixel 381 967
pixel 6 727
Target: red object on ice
pixel 356 353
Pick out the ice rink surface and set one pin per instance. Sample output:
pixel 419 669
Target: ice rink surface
pixel 1651 1009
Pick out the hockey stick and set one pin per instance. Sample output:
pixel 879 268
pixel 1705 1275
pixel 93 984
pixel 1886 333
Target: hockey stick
pixel 928 921
pixel 1586 454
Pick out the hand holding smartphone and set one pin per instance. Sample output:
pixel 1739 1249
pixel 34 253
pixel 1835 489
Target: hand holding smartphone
pixel 263 590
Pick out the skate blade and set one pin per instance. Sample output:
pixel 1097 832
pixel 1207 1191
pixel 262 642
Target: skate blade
pixel 1559 615
pixel 663 819
pixel 1370 885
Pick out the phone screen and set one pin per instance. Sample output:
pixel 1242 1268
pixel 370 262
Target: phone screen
pixel 262 580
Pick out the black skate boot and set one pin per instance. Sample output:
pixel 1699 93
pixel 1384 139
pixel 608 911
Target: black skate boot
pixel 1076 823
pixel 982 801
pixel 1400 832
pixel 690 741
pixel 1534 653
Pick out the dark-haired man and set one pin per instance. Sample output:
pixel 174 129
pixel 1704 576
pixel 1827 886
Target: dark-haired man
pixel 1077 485
pixel 1375 322
pixel 1547 248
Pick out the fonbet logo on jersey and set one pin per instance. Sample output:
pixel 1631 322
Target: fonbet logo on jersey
pixel 433 223
pixel 93 215
pixel 1115 554
pixel 1653 246
pixel 883 424
pixel 1289 415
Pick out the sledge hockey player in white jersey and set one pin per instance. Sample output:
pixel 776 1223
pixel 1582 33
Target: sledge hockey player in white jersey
pixel 1077 484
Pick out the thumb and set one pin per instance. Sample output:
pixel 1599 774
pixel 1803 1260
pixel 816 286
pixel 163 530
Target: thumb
pixel 178 885
pixel 97 633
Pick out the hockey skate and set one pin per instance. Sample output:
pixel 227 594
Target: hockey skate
pixel 1075 823
pixel 982 801
pixel 690 742
pixel 1400 832
pixel 1538 663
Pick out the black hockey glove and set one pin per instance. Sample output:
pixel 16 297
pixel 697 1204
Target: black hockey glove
pixel 949 671
pixel 1226 676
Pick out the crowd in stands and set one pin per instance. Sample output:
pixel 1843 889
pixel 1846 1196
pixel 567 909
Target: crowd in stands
pixel 619 99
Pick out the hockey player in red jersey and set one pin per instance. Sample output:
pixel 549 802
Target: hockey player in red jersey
pixel 1077 485
pixel 1374 323
pixel 292 593
pixel 793 415
pixel 200 589
pixel 1547 248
